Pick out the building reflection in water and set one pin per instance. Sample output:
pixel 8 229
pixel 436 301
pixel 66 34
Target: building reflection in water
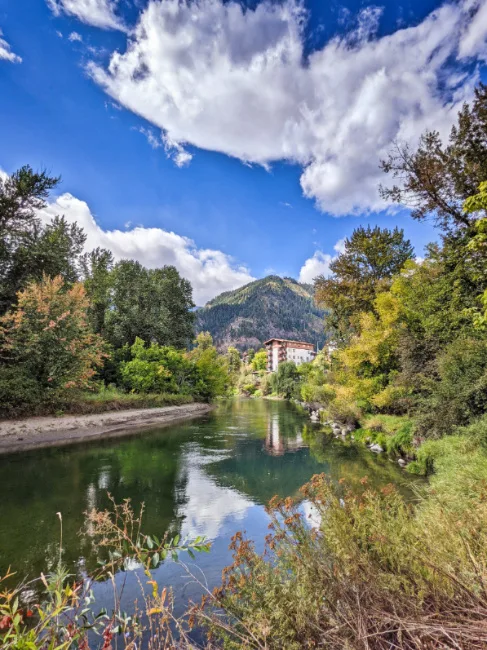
pixel 277 444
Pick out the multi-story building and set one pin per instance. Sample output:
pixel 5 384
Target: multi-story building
pixel 279 350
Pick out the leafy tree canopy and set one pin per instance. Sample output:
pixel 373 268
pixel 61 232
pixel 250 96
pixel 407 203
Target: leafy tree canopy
pixel 434 180
pixel 372 256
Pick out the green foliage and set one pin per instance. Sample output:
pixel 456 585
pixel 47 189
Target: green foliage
pixel 151 304
pixel 259 361
pixel 393 433
pixel 458 394
pixel 286 380
pixel 435 179
pixel 19 392
pixel 273 306
pixel 371 257
pixel 202 373
pixel 234 360
pixel 47 337
pixel 30 249
pixel 114 399
pixel 158 369
pixel 212 368
pixel 97 273
pixel 247 383
pixel 124 300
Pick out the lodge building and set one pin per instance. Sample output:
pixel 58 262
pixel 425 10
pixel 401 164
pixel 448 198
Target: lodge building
pixel 279 350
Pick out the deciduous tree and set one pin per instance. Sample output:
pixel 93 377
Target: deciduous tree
pixel 372 256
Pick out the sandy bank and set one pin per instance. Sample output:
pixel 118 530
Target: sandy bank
pixel 32 433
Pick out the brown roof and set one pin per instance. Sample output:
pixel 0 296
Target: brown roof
pixel 288 341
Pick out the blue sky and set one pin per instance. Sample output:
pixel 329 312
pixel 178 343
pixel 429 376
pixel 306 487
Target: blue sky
pixel 229 140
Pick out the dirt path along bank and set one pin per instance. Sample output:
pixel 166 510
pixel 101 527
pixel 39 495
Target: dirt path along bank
pixel 33 433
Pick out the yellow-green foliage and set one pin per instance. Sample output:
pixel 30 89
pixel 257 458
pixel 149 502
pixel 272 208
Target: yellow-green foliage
pixel 259 362
pixel 394 433
pixel 365 364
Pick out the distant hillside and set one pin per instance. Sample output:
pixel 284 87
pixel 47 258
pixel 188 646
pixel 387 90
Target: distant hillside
pixel 271 307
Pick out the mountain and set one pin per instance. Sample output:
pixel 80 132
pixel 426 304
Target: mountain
pixel 271 307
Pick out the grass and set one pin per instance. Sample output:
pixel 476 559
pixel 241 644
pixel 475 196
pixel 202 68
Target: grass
pixel 394 433
pixel 112 399
pixel 102 401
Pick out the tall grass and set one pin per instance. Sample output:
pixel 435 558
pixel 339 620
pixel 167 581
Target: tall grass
pixel 378 573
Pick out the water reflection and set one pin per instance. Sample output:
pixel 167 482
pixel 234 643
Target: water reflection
pixel 207 477
pixel 275 443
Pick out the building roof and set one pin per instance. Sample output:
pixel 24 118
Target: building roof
pixel 289 341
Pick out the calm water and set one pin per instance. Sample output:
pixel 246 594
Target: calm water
pixel 211 476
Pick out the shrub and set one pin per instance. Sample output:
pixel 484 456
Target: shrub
pixel 212 369
pixel 374 573
pixel 344 412
pixel 317 394
pixel 286 380
pixel 460 394
pixel 266 385
pixel 46 337
pixel 19 392
pixel 158 368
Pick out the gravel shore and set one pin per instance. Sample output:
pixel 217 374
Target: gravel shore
pixel 32 433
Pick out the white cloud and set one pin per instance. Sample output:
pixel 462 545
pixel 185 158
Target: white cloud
pixel 6 52
pixel 208 507
pixel 319 264
pixel 224 78
pixel 472 42
pixel 74 36
pixel 209 271
pixel 174 150
pixel 340 246
pixel 99 13
pixel 152 139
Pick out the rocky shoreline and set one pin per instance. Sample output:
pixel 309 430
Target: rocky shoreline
pixel 340 430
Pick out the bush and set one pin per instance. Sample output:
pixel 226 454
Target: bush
pixel 266 385
pixel 19 392
pixel 340 410
pixel 317 394
pixel 158 369
pixel 286 381
pixel 201 373
pixel 460 394
pixel 46 346
pixel 374 573
pixel 112 399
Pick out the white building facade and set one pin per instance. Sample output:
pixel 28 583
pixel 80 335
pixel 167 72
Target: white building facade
pixel 279 350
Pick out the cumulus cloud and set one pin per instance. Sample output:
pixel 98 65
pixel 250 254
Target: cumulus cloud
pixel 99 13
pixel 6 53
pixel 226 78
pixel 74 36
pixel 319 264
pixel 209 271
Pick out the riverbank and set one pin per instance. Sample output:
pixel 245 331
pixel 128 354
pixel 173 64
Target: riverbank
pixel 36 432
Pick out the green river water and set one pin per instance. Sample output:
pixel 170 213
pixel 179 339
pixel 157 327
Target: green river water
pixel 210 476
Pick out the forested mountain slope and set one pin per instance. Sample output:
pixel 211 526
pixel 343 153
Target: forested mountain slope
pixel 271 307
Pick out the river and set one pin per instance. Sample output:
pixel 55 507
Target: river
pixel 211 476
